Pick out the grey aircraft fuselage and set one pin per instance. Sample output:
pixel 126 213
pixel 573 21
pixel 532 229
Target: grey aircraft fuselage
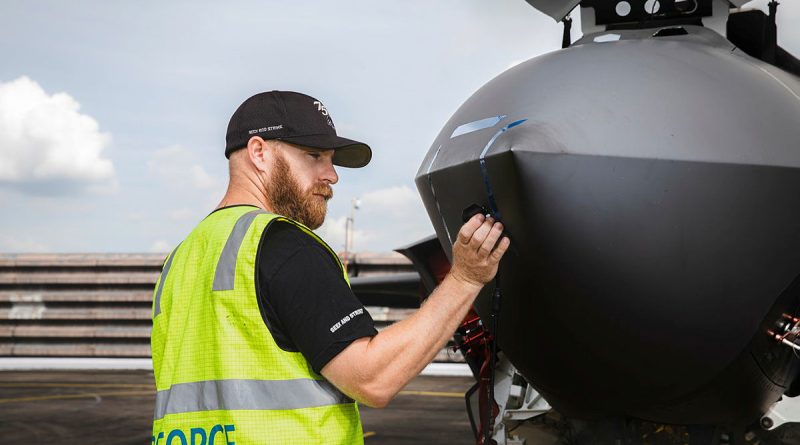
pixel 651 187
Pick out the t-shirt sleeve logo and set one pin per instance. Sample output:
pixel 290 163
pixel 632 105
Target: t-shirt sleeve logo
pixel 346 319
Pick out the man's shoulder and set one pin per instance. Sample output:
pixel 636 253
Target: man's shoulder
pixel 285 243
pixel 284 234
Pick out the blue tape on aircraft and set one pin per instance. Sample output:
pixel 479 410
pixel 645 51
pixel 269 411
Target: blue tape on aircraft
pixel 477 125
pixel 485 171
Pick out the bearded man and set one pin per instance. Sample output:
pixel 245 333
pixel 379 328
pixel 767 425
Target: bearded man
pixel 257 337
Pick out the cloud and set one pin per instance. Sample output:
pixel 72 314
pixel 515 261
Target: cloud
pixel 394 202
pixel 161 246
pixel 170 163
pixel 333 232
pixel 387 218
pixel 46 145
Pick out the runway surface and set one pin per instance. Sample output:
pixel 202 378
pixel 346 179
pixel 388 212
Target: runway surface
pixel 116 407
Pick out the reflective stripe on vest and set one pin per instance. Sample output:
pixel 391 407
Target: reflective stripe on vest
pixel 214 395
pixel 226 267
pixel 161 280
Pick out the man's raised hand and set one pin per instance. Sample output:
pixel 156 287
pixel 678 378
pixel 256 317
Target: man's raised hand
pixel 477 252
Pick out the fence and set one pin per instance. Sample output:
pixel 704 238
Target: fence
pixel 99 305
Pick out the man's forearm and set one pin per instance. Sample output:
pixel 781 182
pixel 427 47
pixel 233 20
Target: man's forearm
pixel 402 350
pixel 397 354
pixel 373 370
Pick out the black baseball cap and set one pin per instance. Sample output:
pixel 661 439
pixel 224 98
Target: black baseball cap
pixel 295 118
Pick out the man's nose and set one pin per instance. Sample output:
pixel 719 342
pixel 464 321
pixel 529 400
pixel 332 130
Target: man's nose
pixel 329 173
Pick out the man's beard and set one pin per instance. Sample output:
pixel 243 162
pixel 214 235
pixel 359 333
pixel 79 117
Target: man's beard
pixel 288 200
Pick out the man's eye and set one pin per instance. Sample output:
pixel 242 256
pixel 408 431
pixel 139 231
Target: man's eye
pixel 314 155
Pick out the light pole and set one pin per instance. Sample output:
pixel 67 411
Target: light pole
pixel 348 230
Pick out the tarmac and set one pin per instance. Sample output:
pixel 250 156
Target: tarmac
pixel 116 407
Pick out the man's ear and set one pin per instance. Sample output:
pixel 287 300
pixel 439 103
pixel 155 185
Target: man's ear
pixel 259 152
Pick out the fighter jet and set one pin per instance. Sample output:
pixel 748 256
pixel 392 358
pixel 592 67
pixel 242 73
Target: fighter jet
pixel 648 175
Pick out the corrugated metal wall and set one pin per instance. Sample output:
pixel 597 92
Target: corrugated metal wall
pixel 98 305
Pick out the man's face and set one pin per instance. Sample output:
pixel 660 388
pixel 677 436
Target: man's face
pixel 300 183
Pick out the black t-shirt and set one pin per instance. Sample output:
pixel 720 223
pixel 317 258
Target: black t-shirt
pixel 304 299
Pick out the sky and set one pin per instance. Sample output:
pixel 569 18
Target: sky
pixel 113 114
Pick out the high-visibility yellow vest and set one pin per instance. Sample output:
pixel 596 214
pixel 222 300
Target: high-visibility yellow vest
pixel 220 376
